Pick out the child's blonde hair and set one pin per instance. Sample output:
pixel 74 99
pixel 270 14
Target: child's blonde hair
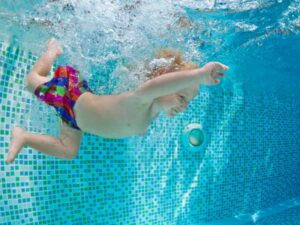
pixel 174 62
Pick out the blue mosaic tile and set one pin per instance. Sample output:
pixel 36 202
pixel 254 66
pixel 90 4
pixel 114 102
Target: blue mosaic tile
pixel 251 162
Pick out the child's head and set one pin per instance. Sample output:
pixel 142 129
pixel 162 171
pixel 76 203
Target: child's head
pixel 166 61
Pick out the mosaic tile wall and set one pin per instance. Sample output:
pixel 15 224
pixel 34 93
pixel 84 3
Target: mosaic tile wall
pixel 251 162
pixel 291 216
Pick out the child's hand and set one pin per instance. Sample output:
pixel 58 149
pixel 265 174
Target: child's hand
pixel 210 73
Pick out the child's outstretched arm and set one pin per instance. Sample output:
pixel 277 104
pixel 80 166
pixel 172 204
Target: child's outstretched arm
pixel 176 81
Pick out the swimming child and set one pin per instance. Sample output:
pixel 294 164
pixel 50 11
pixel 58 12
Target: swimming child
pixel 173 84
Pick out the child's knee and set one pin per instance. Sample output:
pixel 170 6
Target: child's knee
pixel 70 154
pixel 28 82
pixel 73 153
pixel 70 151
pixel 33 80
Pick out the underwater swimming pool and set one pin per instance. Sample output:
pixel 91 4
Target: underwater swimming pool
pixel 247 172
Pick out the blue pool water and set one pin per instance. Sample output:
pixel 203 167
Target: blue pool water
pixel 247 172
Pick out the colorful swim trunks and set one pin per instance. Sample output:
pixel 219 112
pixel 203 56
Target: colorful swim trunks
pixel 62 92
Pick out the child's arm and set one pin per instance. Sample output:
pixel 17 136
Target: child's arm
pixel 176 81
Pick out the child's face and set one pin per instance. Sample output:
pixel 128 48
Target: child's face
pixel 178 102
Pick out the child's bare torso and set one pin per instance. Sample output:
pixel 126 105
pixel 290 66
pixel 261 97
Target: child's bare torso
pixel 113 116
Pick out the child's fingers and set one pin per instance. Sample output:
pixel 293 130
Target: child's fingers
pixel 219 74
pixel 221 66
pixel 216 81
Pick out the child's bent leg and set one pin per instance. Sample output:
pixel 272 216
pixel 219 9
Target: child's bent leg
pixel 45 62
pixel 40 70
pixel 65 147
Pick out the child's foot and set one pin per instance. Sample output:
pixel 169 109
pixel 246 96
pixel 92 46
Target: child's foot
pixel 54 47
pixel 17 142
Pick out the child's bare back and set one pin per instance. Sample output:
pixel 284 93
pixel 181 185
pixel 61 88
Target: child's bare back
pixel 173 84
pixel 114 116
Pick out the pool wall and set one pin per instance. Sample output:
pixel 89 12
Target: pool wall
pixel 251 161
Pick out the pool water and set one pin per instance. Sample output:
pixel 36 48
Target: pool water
pixel 248 171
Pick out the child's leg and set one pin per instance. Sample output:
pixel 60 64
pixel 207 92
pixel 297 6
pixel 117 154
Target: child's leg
pixel 42 67
pixel 45 62
pixel 65 147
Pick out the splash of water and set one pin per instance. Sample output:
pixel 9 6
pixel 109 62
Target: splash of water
pixel 112 34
